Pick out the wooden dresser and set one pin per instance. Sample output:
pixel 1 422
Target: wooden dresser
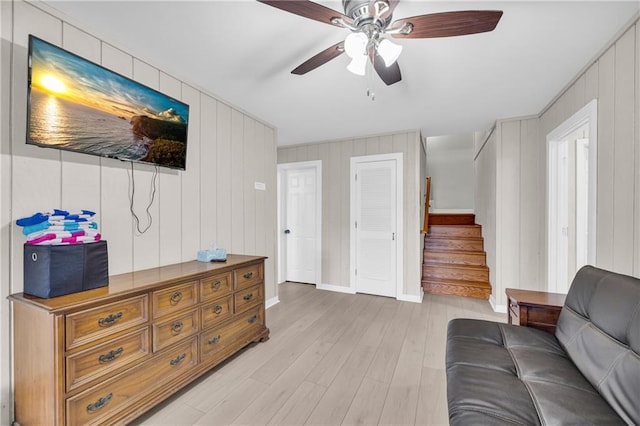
pixel 107 355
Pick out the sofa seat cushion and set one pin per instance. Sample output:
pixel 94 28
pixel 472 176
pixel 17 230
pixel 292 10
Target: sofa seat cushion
pixel 501 374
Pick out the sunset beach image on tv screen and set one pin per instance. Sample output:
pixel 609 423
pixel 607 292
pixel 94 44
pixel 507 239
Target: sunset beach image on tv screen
pixel 80 106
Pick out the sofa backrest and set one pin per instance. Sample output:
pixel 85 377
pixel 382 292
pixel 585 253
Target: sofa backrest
pixel 599 327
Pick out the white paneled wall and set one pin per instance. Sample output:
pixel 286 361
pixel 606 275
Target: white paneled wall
pixel 213 200
pixel 519 164
pixel 485 166
pixel 335 157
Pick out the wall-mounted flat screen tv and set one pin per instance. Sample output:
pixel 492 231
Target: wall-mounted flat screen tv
pixel 77 105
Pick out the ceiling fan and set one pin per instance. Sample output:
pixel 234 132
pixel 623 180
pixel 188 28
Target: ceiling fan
pixel 370 21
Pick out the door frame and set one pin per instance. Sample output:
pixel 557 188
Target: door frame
pixel 282 205
pixel 586 116
pixel 398 157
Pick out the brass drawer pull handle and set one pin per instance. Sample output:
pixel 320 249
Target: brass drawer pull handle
pixel 214 340
pixel 178 360
pixel 176 297
pixel 176 327
pixel 95 406
pixel 216 284
pixel 252 319
pixel 248 275
pixel 248 297
pixel 109 320
pixel 217 309
pixel 111 355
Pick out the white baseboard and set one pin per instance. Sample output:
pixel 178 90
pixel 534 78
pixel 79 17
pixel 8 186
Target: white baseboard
pixel 342 289
pixel 497 308
pixel 336 288
pixel 410 298
pixel 273 301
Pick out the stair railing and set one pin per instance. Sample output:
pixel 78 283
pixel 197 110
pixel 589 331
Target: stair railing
pixel 425 223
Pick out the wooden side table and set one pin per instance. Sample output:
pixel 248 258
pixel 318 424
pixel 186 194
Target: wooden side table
pixel 536 309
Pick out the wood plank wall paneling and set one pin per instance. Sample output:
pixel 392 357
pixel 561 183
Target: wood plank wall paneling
pixel 115 221
pixel 614 79
pixel 78 193
pixel 606 159
pixel 146 245
pixel 170 184
pixel 335 157
pixel 636 243
pixel 529 205
pixel 509 182
pixel 624 153
pixel 485 170
pixel 192 197
pixel 6 403
pixel 250 175
pixel 37 171
pixel 213 200
pixel 208 181
pixel 237 175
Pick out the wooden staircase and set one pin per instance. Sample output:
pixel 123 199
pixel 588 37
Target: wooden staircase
pixel 454 261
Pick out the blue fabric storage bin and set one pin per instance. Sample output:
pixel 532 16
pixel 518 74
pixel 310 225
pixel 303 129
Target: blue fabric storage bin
pixel 51 271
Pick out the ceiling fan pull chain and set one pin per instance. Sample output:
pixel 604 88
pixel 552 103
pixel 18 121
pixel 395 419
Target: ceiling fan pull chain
pixel 370 93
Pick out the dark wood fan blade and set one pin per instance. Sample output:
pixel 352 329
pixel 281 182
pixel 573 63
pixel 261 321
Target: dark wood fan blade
pixel 320 59
pixel 448 24
pixel 307 9
pixel 389 74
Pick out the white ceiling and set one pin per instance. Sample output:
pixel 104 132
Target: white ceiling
pixel 243 52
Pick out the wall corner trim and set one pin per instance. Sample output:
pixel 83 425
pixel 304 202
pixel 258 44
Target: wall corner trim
pixel 271 302
pixel 497 308
pixel 410 298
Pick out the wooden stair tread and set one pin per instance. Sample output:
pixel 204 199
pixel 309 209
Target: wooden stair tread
pixel 450 266
pixel 455 252
pixel 452 237
pixel 461 283
pixel 454 260
pixel 455 226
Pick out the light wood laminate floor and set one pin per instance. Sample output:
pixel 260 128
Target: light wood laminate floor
pixel 332 359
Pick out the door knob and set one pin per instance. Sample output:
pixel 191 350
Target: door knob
pixel 287 231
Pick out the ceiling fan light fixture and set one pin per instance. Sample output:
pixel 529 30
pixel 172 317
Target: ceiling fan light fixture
pixel 358 65
pixel 390 52
pixel 355 44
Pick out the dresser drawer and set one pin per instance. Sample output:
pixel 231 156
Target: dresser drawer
pixel 214 341
pixel 215 312
pixel 248 298
pixel 85 326
pixel 174 299
pixel 248 276
pixel 216 286
pixel 88 365
pixel 96 404
pixel 172 330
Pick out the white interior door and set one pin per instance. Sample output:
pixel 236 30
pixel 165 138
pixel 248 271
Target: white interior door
pixel 572 183
pixel 376 227
pixel 301 224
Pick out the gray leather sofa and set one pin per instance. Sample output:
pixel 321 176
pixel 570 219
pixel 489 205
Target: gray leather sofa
pixel 588 373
